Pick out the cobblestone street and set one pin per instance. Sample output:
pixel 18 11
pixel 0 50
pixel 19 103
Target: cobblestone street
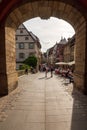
pixel 41 103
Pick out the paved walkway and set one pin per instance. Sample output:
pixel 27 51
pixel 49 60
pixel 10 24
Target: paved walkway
pixel 41 103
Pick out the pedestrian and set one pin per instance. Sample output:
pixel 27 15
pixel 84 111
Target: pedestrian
pixel 26 71
pixel 51 70
pixel 46 71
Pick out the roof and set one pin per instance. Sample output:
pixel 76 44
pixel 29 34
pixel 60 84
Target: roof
pixel 71 41
pixel 34 37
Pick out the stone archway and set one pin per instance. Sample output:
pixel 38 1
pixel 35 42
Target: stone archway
pixel 44 9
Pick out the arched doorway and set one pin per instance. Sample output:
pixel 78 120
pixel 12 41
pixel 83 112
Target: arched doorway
pixel 68 11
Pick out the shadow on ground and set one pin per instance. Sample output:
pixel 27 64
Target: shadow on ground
pixel 79 113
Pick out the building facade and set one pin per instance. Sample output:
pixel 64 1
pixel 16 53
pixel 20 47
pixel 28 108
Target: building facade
pixel 27 44
pixel 58 50
pixel 69 53
pixel 50 56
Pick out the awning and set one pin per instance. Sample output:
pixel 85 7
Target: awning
pixel 65 63
pixel 71 63
pixel 61 63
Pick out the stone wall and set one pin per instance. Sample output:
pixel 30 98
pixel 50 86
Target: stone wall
pixel 10 58
pixel 80 55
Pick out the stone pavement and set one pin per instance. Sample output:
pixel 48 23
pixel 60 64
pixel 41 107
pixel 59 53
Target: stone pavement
pixel 41 103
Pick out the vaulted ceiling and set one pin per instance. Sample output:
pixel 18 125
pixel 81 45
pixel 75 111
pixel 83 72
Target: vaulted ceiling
pixel 7 6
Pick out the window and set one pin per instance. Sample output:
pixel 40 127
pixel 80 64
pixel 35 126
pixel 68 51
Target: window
pixel 26 38
pixel 21 45
pixel 20 66
pixel 21 30
pixel 16 38
pixel 31 54
pixel 21 55
pixel 31 45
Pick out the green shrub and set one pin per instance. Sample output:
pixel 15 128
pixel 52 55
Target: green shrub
pixel 31 61
pixel 24 66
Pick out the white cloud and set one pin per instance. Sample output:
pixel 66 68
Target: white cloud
pixel 49 31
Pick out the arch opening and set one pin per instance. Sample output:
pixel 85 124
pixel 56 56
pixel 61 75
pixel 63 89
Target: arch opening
pixel 48 35
pixel 49 31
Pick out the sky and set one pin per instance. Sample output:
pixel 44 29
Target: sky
pixel 49 31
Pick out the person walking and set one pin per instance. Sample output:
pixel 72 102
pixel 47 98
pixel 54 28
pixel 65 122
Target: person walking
pixel 26 71
pixel 51 70
pixel 46 71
